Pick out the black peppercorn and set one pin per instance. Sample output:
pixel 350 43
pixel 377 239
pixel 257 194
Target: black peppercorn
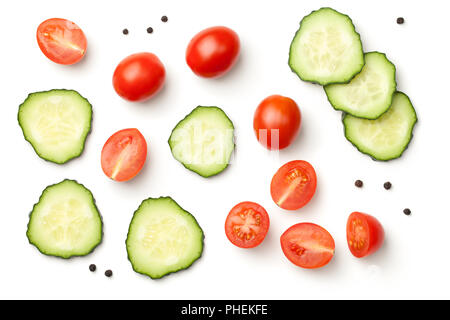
pixel 400 20
pixel 92 267
pixel 164 19
pixel 125 31
pixel 407 211
pixel 359 183
pixel 387 185
pixel 108 273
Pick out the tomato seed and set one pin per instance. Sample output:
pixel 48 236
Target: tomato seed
pixel 407 211
pixel 293 174
pixel 125 31
pixel 359 183
pixel 297 249
pixel 387 185
pixel 400 20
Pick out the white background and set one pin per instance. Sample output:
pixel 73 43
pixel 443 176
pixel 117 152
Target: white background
pixel 414 261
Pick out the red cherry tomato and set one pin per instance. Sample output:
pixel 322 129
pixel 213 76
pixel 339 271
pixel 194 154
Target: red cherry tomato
pixel 247 225
pixel 139 76
pixel 277 122
pixel 365 235
pixel 61 40
pixel 293 185
pixel 213 51
pixel 307 245
pixel 124 154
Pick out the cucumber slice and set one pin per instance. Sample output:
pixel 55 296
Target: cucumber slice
pixel 388 136
pixel 203 141
pixel 326 49
pixel 56 123
pixel 65 222
pixel 370 92
pixel 163 238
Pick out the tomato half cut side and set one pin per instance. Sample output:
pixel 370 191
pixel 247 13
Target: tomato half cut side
pixel 61 40
pixel 307 245
pixel 247 225
pixel 124 154
pixel 293 185
pixel 365 234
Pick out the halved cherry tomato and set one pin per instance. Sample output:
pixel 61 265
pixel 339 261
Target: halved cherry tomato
pixel 139 76
pixel 307 245
pixel 247 225
pixel 213 51
pixel 293 185
pixel 365 235
pixel 61 40
pixel 124 154
pixel 277 122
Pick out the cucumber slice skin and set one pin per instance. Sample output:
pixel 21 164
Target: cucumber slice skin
pixel 192 168
pixel 170 201
pixel 361 149
pixel 29 139
pixel 344 80
pixel 371 116
pixel 35 207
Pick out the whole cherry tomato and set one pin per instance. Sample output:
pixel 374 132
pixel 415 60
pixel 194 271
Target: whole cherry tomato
pixel 213 51
pixel 139 76
pixel 277 122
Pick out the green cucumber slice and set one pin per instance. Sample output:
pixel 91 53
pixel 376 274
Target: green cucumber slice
pixel 369 94
pixel 326 48
pixel 203 141
pixel 65 222
pixel 56 123
pixel 387 137
pixel 163 238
